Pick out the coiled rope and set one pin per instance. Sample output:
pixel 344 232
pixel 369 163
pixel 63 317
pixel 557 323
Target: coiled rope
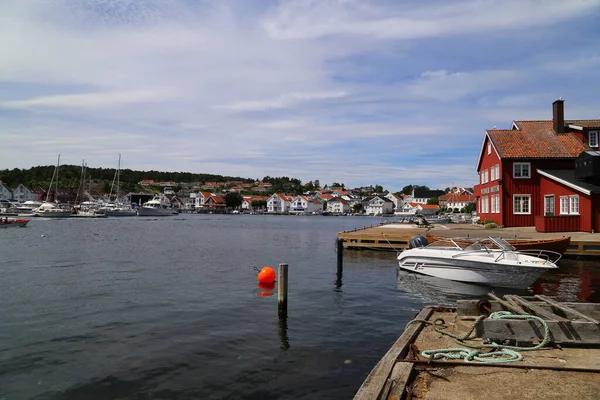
pixel 501 353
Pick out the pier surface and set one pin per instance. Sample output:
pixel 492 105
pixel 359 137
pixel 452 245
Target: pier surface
pixel 395 236
pixel 570 371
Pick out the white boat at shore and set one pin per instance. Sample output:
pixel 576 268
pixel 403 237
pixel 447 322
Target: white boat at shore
pixel 117 208
pixel 491 261
pixel 159 206
pixel 52 210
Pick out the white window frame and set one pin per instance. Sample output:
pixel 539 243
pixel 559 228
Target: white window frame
pixel 489 148
pixel 519 198
pixel 564 205
pixel 496 204
pixel 485 205
pixel 521 165
pixel 574 205
pixel 593 134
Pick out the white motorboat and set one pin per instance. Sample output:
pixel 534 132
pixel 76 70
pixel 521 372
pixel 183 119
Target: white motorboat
pixel 491 261
pixel 52 210
pixel 159 206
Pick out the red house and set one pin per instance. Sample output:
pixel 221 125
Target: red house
pixel 541 173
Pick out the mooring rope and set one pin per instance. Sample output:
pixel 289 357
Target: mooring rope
pixel 502 353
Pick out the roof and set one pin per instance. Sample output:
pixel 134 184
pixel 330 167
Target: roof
pixel 535 139
pixel 584 123
pixel 567 178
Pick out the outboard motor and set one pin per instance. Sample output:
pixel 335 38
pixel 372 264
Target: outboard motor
pixel 417 241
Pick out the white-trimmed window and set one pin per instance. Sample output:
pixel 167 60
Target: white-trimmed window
pixel 489 148
pixel 485 205
pixel 496 204
pixel 522 204
pixel 522 170
pixel 593 136
pixel 495 172
pixel 564 205
pixel 574 204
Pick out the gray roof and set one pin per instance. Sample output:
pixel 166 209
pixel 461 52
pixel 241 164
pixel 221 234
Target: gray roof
pixel 567 177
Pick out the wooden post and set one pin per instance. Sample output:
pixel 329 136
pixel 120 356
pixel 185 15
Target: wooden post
pixel 340 262
pixel 282 290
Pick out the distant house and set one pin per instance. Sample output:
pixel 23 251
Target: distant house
pixel 418 208
pixel 338 205
pixel 169 191
pixel 377 205
pixel 5 192
pixel 458 199
pixel 201 198
pixel 422 196
pixel 397 200
pixel 215 201
pixel 278 204
pixel 146 182
pixel 248 200
pixel 305 204
pixel 542 174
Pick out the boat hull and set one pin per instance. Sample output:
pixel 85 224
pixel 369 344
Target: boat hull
pixel 481 268
pixel 121 213
pixel 15 223
pixel 154 212
pixel 558 245
pixel 53 214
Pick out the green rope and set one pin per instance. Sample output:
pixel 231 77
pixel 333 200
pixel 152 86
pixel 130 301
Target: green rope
pixel 501 353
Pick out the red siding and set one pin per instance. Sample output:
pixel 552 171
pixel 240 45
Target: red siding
pixel 557 224
pixel 487 162
pixel 587 213
pixel 531 186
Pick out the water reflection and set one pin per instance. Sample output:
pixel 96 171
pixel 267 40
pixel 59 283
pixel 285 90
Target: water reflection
pixel 574 280
pixel 265 289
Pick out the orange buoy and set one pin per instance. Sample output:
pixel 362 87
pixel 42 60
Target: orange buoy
pixel 266 275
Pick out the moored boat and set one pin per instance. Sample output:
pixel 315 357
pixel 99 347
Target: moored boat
pixel 159 206
pixel 491 261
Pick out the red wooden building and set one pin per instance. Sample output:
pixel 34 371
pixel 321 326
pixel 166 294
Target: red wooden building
pixel 542 174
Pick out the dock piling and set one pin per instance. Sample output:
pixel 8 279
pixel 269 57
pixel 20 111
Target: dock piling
pixel 282 290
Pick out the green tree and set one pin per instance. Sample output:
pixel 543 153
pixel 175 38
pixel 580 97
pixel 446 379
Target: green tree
pixel 378 189
pixel 470 207
pixel 233 200
pixel 407 189
pixel 357 208
pixel 258 204
pixel 433 200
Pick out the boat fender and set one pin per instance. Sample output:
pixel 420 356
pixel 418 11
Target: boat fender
pixel 417 241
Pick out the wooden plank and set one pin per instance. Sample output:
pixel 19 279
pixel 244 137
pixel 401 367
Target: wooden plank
pixel 528 330
pixel 400 376
pixel 566 309
pixel 507 305
pixel 469 307
pixel 540 312
pixel 377 378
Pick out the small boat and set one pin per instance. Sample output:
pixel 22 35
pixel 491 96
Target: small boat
pixel 13 222
pixel 491 261
pixel 559 245
pixel 52 210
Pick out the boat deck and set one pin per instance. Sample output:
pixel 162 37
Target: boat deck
pixel 396 236
pixel 568 370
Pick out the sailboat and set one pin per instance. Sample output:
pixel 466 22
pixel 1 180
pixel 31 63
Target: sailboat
pixel 118 208
pixel 85 209
pixel 51 209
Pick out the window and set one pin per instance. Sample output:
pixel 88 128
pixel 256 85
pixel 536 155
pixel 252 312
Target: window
pixel 496 204
pixel 574 205
pixel 593 138
pixel 549 205
pixel 495 172
pixel 485 205
pixel 489 148
pixel 522 170
pixel 522 204
pixel 564 205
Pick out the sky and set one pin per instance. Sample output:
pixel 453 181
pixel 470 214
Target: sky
pixel 358 92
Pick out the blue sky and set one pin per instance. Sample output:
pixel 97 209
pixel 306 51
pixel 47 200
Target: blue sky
pixel 352 91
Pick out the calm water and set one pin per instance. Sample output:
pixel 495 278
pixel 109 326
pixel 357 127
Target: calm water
pixel 143 308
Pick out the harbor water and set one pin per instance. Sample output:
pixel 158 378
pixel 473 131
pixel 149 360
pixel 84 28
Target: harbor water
pixel 169 308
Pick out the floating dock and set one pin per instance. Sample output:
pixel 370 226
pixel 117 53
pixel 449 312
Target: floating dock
pixel 567 367
pixel 396 236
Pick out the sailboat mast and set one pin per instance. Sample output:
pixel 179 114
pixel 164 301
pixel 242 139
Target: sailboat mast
pixel 57 167
pixel 118 176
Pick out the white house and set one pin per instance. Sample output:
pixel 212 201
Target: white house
pixel 5 192
pixel 304 204
pixel 200 199
pixel 278 203
pixel 378 205
pixel 397 200
pixel 418 208
pixel 22 193
pixel 338 205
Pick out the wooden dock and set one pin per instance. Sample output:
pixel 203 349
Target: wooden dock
pixel 396 236
pixel 568 367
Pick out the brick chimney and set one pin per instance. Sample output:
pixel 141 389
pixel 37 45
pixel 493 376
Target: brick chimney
pixel 558 115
